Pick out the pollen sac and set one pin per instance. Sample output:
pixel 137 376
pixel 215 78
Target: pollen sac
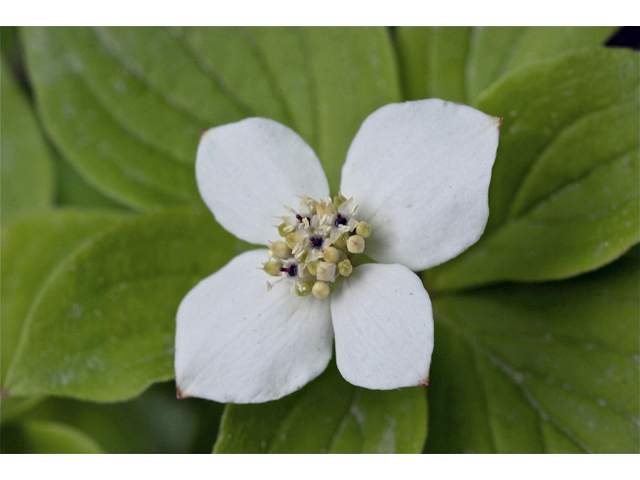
pixel 317 245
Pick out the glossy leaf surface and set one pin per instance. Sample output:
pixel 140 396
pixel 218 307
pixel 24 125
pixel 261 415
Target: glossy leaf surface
pixel 103 326
pixel 564 189
pixel 126 105
pixel 539 368
pixel 27 168
pixel 459 63
pixel 328 415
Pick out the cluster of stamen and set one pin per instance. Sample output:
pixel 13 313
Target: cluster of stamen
pixel 319 242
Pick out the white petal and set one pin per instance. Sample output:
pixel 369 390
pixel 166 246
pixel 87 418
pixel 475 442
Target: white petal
pixel 383 325
pixel 420 172
pixel 247 171
pixel 236 342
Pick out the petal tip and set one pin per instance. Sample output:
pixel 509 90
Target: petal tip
pixel 498 121
pixel 179 394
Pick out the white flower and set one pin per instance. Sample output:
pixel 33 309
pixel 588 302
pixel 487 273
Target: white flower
pixel 419 172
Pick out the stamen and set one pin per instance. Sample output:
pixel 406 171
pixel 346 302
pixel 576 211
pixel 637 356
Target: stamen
pixel 318 242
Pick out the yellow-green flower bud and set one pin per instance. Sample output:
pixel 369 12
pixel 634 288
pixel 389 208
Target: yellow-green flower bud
pixel 355 244
pixel 339 200
pixel 323 209
pixel 312 267
pixel 320 289
pixel 281 230
pixel 363 229
pixel 309 203
pixel 326 271
pixel 331 255
pixel 345 268
pixel 272 268
pixel 303 289
pixel 342 241
pixel 280 249
pixel 292 239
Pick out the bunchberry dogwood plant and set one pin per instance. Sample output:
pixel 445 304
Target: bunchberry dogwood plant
pixel 413 194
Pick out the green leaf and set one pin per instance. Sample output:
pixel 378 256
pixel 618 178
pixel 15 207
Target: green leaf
pixel 328 415
pixel 27 170
pixel 73 190
pixel 459 63
pixel 14 407
pixel 496 51
pixel 565 185
pixel 539 368
pixel 46 437
pixel 32 246
pixel 126 105
pixel 433 61
pixel 9 44
pixel 103 325
pixel 154 422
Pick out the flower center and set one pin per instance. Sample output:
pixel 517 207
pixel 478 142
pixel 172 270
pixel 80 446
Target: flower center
pixel 319 242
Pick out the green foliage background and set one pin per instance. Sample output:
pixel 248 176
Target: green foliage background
pixel 103 233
